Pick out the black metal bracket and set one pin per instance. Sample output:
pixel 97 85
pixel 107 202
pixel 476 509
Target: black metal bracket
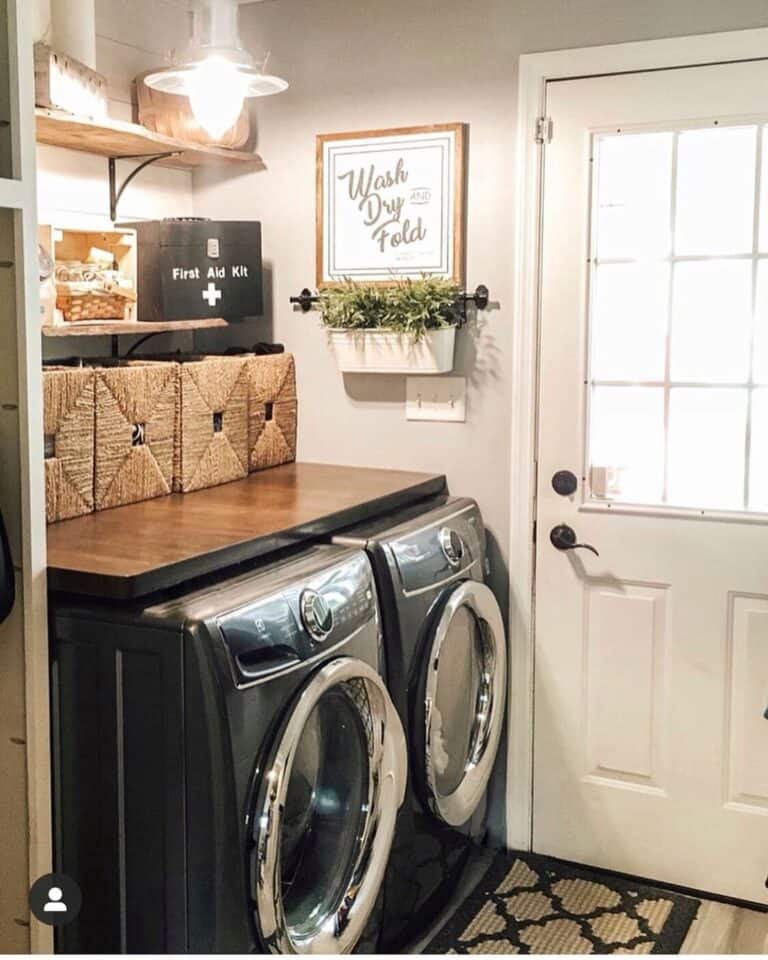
pixel 142 340
pixel 305 300
pixel 481 298
pixel 116 192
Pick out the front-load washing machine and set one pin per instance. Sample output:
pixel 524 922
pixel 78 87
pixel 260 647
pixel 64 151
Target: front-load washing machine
pixel 446 658
pixel 229 764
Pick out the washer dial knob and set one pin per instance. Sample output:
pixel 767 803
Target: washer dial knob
pixel 452 546
pixel 316 615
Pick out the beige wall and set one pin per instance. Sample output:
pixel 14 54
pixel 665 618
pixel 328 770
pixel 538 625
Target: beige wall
pixel 363 65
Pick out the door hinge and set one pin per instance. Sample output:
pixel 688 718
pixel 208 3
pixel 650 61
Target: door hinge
pixel 535 531
pixel 544 130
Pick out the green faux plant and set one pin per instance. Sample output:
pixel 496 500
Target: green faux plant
pixel 410 307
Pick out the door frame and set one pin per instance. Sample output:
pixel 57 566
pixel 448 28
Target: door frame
pixel 535 72
pixel 23 420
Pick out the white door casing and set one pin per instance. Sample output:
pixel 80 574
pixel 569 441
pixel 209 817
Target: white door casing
pixel 651 753
pixel 24 726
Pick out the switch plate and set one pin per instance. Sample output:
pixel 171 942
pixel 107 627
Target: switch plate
pixel 436 398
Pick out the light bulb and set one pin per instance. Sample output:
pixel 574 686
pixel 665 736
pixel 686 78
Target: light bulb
pixel 217 90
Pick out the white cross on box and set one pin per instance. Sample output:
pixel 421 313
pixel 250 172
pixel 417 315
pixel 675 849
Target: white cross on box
pixel 212 294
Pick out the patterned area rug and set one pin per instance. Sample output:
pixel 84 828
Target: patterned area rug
pixel 531 904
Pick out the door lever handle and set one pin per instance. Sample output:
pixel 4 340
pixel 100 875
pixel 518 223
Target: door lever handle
pixel 563 537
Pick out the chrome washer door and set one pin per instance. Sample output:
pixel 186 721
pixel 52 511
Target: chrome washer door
pixel 465 692
pixel 325 812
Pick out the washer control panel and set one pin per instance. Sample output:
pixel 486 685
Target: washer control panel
pixel 299 619
pixel 316 615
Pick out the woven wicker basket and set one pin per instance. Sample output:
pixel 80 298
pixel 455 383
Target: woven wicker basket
pixel 69 410
pixel 92 306
pixel 212 423
pixel 136 406
pixel 272 410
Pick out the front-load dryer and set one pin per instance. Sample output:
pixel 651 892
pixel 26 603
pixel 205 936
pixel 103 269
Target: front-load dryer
pixel 229 764
pixel 446 659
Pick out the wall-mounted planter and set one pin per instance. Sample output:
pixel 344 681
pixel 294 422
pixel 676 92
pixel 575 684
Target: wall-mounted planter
pixel 383 351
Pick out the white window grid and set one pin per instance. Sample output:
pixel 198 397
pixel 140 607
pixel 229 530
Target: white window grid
pixel 755 255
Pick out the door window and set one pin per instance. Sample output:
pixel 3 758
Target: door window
pixel 678 359
pixel 463 654
pixel 463 718
pixel 325 813
pixel 325 808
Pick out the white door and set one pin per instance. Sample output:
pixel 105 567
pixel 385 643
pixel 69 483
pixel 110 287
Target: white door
pixel 651 748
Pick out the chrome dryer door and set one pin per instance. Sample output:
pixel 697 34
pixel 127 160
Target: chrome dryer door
pixel 464 696
pixel 325 812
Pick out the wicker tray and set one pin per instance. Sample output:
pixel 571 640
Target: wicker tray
pixel 92 306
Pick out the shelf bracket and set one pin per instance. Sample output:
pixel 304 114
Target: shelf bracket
pixel 116 192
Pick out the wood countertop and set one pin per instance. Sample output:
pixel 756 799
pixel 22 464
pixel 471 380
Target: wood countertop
pixel 145 547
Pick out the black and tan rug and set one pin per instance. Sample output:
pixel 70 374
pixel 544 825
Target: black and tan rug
pixel 531 904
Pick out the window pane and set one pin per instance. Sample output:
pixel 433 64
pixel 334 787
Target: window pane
pixel 627 431
pixel 629 321
pixel 715 190
pixel 764 195
pixel 760 367
pixel 758 455
pixel 633 195
pixel 711 321
pixel 707 432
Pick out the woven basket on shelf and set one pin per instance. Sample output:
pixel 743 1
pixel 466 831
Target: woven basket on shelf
pixel 68 424
pixel 212 423
pixel 92 306
pixel 135 431
pixel 273 410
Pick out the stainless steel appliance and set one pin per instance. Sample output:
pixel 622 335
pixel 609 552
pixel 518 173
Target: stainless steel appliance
pixel 229 764
pixel 446 656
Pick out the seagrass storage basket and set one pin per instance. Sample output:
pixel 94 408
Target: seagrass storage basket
pixel 272 410
pixel 212 422
pixel 136 405
pixel 68 418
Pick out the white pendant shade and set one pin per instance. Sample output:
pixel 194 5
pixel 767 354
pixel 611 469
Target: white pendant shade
pixel 216 73
pixel 179 80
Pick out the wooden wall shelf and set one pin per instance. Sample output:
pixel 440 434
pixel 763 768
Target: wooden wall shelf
pixel 116 328
pixel 115 139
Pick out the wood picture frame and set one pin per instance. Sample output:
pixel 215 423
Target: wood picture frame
pixel 401 207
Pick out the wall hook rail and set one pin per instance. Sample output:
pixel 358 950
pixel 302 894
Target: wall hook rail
pixel 116 192
pixel 481 298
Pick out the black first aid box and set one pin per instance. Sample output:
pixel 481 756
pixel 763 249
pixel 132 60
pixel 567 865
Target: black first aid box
pixel 196 269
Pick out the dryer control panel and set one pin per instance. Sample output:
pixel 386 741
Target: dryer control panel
pixel 440 552
pixel 300 621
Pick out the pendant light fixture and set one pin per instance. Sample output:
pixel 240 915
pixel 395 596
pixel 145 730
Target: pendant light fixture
pixel 216 72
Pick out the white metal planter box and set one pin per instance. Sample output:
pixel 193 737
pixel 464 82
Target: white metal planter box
pixel 382 351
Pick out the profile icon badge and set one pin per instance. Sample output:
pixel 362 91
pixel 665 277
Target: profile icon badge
pixel 55 899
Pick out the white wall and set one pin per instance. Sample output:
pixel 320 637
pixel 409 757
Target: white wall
pixel 366 65
pixel 73 188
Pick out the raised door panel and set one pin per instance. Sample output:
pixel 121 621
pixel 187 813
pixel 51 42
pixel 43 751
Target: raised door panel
pixel 748 702
pixel 624 644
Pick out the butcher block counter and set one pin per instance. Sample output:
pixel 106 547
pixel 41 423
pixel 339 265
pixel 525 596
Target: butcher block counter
pixel 146 547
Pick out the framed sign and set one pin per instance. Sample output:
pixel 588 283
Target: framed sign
pixel 390 204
